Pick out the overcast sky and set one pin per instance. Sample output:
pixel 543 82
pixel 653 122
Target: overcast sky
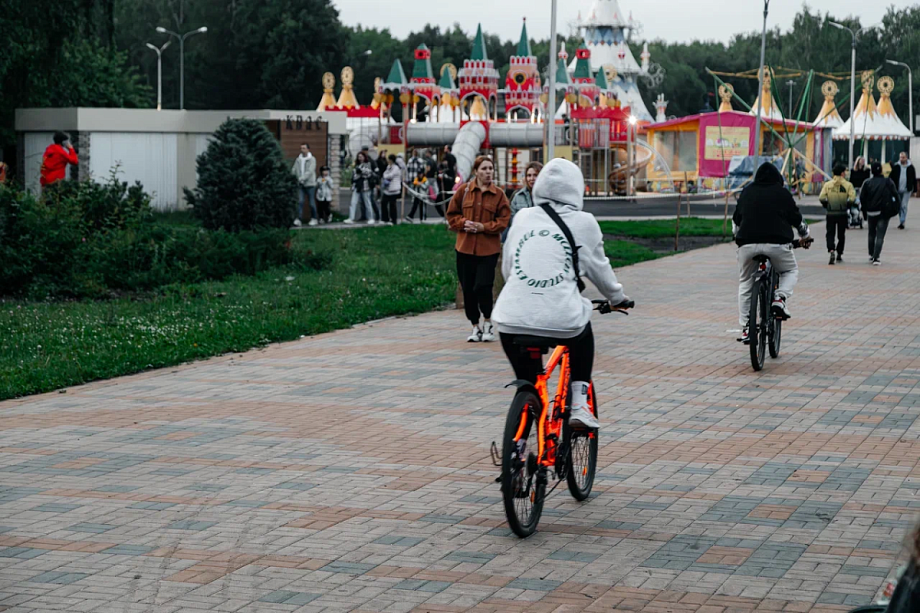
pixel 672 20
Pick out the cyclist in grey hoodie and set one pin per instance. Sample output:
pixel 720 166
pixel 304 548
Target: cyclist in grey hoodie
pixel 541 295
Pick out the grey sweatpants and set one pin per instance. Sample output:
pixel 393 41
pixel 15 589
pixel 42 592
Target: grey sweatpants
pixel 783 260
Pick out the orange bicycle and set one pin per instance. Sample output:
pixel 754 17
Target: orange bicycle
pixel 531 454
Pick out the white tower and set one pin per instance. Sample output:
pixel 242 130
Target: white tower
pixel 606 33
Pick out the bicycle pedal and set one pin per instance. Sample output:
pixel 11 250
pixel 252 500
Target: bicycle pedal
pixel 498 479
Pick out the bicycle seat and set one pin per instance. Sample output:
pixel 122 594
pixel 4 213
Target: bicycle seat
pixel 537 342
pixel 761 258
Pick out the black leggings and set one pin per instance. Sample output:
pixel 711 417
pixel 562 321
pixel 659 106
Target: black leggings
pixel 527 366
pixel 836 224
pixel 477 276
pixel 421 207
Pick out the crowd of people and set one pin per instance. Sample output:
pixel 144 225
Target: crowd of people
pixel 378 182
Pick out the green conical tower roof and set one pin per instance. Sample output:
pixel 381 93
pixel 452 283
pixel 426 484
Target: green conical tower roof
pixel 397 74
pixel 562 73
pixel 422 68
pixel 447 81
pixel 479 46
pixel 523 48
pixel 601 80
pixel 583 64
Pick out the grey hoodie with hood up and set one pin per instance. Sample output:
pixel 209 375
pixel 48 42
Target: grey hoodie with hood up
pixel 541 296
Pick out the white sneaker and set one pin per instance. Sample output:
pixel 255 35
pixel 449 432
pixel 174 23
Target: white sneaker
pixel 780 309
pixel 313 222
pixel 297 223
pixel 476 336
pixel 488 332
pixel 349 221
pixel 876 263
pixel 371 222
pixel 582 417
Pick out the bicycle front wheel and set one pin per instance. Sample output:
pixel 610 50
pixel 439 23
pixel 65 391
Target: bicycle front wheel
pixel 582 460
pixel 523 487
pixel 757 326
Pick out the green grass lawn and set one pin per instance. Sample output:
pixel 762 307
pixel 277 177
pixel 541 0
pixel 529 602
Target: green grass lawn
pixel 375 273
pixel 663 228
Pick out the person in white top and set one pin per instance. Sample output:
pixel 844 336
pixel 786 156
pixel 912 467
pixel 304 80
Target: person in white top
pixel 541 295
pixel 305 170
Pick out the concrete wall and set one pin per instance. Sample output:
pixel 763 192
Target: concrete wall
pixel 150 158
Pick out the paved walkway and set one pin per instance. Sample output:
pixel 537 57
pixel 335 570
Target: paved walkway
pixel 351 471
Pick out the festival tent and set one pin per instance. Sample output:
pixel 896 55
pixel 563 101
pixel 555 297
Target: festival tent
pixel 875 122
pixel 828 117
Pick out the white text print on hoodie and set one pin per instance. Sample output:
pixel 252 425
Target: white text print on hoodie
pixel 541 296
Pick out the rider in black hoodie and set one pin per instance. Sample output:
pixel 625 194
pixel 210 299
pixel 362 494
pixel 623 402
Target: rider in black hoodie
pixel 763 221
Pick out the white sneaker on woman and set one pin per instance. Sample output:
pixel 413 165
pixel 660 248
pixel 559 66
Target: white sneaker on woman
pixel 488 332
pixel 582 417
pixel 476 336
pixel 349 221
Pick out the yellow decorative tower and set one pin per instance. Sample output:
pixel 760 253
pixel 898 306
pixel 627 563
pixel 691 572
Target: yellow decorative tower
pixel 328 99
pixel 347 98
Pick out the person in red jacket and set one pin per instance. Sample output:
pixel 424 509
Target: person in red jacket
pixel 56 158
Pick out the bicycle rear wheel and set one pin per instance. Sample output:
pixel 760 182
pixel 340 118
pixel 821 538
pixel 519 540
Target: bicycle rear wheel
pixel 582 455
pixel 757 328
pixel 523 480
pixel 776 338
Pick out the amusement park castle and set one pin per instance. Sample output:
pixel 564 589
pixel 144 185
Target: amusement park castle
pixel 473 108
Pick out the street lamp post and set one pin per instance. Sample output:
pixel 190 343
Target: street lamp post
pixel 181 38
pixel 549 117
pixel 159 52
pixel 910 90
pixel 840 26
pixel 760 77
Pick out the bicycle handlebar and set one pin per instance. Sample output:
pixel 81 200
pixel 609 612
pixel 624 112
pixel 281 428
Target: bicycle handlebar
pixel 604 307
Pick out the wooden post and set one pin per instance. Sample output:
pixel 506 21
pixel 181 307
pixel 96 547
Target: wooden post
pixel 687 183
pixel 725 217
pixel 677 228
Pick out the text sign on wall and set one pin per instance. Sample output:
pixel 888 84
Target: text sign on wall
pixel 727 142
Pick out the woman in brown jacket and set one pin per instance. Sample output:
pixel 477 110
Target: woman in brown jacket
pixel 478 213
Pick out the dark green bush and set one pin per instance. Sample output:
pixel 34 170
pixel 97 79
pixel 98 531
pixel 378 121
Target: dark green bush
pixel 243 181
pixel 85 240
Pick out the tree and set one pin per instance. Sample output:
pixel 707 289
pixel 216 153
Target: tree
pixel 244 182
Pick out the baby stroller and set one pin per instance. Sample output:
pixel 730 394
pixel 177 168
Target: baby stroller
pixel 854 215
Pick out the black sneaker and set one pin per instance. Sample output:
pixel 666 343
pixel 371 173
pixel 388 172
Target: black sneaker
pixel 833 258
pixel 901 227
pixel 840 258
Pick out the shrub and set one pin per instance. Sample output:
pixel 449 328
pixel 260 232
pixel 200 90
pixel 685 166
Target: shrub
pixel 243 181
pixel 86 240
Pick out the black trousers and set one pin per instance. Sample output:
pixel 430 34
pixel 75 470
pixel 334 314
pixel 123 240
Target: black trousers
pixel 422 209
pixel 836 225
pixel 324 209
pixel 388 208
pixel 878 227
pixel 477 275
pixel 527 366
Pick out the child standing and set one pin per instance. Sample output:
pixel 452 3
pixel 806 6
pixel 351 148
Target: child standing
pixel 420 185
pixel 325 187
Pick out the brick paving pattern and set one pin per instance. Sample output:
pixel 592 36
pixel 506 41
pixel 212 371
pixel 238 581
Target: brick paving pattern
pixel 351 471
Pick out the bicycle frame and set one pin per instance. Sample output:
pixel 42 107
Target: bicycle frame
pixel 549 427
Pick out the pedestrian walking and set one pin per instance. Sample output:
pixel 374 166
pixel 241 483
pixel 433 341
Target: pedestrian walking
pixel 361 190
pixel 325 188
pixel 904 176
pixel 391 188
pixel 858 175
pixel 880 202
pixel 56 158
pixel 478 212
pixel 415 164
pixel 523 198
pixel 304 170
pixel 836 197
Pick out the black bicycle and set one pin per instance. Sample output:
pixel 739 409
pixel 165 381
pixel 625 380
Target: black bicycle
pixel 765 326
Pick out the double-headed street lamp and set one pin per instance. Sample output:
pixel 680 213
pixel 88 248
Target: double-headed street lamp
pixel 910 90
pixel 159 52
pixel 840 26
pixel 181 38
